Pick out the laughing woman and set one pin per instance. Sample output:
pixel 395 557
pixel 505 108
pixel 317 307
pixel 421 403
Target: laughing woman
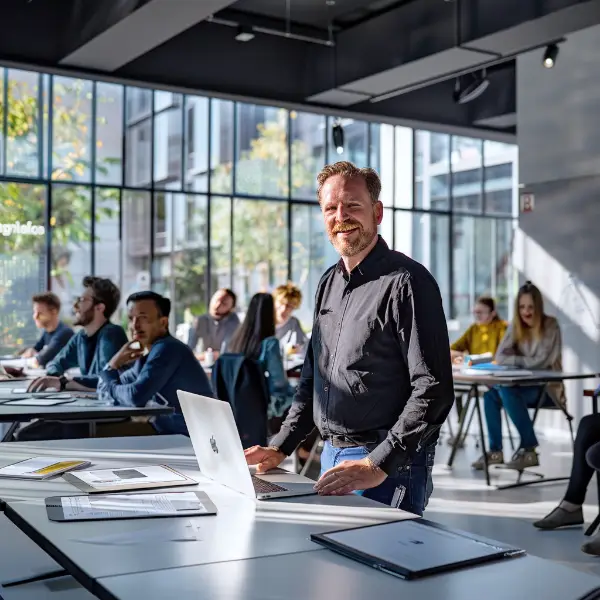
pixel 532 341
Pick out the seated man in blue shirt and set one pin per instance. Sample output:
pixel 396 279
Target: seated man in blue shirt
pixel 92 346
pixel 161 366
pixel 46 316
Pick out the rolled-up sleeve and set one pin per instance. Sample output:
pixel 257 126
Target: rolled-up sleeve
pixel 423 340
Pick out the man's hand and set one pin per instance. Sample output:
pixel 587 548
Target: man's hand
pixel 127 354
pixel 348 476
pixel 265 458
pixel 28 353
pixel 43 383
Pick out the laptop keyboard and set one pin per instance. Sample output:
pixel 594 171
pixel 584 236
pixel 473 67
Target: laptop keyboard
pixel 266 487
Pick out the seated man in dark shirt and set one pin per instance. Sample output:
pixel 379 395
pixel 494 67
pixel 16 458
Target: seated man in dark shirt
pixel 92 346
pixel 46 315
pixel 161 366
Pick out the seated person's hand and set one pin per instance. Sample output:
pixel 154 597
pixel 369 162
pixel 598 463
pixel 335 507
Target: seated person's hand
pixel 14 372
pixel 44 383
pixel 265 458
pixel 130 352
pixel 458 360
pixel 28 353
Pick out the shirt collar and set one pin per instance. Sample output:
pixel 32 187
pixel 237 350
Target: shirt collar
pixel 379 251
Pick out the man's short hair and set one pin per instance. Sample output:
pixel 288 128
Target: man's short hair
pixel 231 294
pixel 163 305
pixel 104 292
pixel 288 293
pixel 50 299
pixel 347 169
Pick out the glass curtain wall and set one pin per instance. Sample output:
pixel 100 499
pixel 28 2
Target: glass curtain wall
pixel 185 194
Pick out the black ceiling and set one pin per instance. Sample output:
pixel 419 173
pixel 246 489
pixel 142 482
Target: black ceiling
pixel 408 50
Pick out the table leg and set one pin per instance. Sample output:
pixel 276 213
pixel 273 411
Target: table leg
pixel 486 467
pixel 461 425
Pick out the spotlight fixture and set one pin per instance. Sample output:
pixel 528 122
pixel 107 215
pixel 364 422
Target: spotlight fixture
pixel 472 89
pixel 337 134
pixel 550 56
pixel 244 34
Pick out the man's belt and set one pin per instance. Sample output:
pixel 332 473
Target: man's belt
pixel 352 440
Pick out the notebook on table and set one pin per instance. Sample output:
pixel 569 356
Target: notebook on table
pixel 128 478
pixel 41 467
pixel 414 548
pixel 129 506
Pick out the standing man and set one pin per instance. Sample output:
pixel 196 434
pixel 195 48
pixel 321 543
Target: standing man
pixel 93 345
pixel 219 324
pixel 46 316
pixel 377 379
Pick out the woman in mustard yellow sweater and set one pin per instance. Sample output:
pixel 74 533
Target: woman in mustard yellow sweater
pixel 484 335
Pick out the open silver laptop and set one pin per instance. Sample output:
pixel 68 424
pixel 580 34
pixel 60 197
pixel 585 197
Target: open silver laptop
pixel 220 455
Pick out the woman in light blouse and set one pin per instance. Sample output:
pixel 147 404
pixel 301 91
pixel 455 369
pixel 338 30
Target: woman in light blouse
pixel 533 341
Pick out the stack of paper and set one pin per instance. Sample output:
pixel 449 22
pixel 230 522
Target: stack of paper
pixel 41 467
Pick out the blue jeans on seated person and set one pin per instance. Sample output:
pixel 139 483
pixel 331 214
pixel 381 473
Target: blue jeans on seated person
pixel 516 402
pixel 409 490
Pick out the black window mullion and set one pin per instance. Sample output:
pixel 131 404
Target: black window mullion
pixel 208 273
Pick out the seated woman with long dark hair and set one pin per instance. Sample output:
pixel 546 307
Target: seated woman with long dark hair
pixel 532 341
pixel 255 338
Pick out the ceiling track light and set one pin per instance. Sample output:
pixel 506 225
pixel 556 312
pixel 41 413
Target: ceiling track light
pixel 550 56
pixel 472 89
pixel 337 135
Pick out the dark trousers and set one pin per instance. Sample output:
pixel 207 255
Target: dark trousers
pixel 586 458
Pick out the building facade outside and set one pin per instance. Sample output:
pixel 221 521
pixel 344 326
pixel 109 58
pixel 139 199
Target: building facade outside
pixel 184 194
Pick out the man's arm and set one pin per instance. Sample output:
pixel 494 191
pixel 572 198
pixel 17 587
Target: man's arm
pixel 423 338
pixel 57 343
pixel 108 345
pixel 127 389
pixel 66 359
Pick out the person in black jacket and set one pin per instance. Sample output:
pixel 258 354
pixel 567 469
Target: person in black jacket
pixel 377 379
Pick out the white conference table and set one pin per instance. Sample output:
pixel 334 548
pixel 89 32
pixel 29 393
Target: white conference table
pixel 243 529
pixel 81 409
pixel 251 550
pixel 324 575
pixel 474 381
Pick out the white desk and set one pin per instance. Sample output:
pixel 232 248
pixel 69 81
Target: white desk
pixel 61 588
pixel 243 529
pixel 324 575
pixel 80 410
pixel 251 550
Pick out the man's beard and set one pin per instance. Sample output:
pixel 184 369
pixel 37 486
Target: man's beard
pixel 347 247
pixel 84 318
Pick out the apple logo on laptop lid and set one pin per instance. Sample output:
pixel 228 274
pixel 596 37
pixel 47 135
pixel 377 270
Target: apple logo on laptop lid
pixel 213 445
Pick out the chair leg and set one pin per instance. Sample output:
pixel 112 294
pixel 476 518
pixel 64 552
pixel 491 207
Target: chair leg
pixel 510 437
pixel 469 421
pixel 590 530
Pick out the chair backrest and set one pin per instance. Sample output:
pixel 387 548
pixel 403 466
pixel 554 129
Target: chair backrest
pixel 240 382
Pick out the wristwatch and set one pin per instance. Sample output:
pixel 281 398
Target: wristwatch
pixel 63 382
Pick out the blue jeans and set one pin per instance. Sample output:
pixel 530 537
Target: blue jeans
pixel 409 490
pixel 516 402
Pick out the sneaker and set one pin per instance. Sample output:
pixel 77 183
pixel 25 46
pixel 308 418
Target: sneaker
pixel 593 546
pixel 523 459
pixel 560 517
pixel 493 458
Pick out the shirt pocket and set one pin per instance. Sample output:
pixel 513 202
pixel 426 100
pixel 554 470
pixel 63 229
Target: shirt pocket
pixel 356 382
